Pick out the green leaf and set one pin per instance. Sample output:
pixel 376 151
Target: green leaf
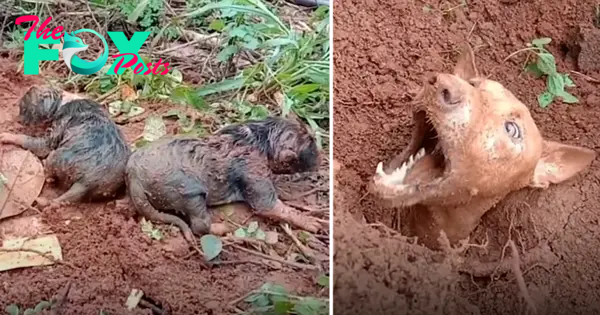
pixel 546 63
pixel 555 84
pixel 42 306
pixel 534 70
pixel 276 42
pixel 29 311
pixel 252 227
pixel 275 288
pixel 261 10
pixel 541 41
pixel 241 233
pixel 251 43
pixel 139 9
pixel 568 97
pixel 211 246
pixel 568 81
pixel 323 281
pixel 217 25
pixel 239 32
pixel 188 96
pixel 12 309
pixel 283 307
pixel 304 88
pixel 227 52
pixel 545 99
pixel 260 235
pixel 259 112
pixel 220 87
pixel 309 306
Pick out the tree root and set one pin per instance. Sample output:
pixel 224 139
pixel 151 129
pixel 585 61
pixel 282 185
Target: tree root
pixel 540 255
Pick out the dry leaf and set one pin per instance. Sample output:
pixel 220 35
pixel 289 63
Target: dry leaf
pixel 134 299
pixel 25 178
pixel 128 93
pixel 18 257
pixel 271 237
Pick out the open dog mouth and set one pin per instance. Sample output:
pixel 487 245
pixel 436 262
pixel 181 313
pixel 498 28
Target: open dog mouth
pixel 423 161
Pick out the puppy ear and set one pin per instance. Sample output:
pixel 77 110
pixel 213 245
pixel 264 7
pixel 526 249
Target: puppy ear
pixel 465 66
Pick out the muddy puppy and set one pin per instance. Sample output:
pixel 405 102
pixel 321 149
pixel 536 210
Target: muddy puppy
pixel 188 175
pixel 85 151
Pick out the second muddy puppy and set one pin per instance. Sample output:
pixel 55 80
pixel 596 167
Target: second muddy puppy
pixel 188 175
pixel 85 151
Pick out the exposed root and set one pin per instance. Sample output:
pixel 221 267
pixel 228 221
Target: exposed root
pixel 516 269
pixel 541 255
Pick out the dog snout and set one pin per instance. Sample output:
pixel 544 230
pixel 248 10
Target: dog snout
pixel 449 90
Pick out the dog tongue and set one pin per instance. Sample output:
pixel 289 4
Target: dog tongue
pixel 423 171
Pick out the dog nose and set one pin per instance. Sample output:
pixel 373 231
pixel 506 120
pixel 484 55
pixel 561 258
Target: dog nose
pixel 449 90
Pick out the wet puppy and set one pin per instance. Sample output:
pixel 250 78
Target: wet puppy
pixel 188 175
pixel 85 151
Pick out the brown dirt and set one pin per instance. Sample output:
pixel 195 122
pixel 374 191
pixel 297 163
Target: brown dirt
pixel 382 51
pixel 106 254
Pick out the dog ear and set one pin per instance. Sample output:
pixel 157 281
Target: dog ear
pixel 465 67
pixel 560 162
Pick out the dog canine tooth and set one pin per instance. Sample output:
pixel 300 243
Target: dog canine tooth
pixel 379 170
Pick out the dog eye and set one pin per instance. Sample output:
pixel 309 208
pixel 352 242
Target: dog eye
pixel 512 129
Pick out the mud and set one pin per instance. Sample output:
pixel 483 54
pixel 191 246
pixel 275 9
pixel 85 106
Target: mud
pixel 106 254
pixel 383 51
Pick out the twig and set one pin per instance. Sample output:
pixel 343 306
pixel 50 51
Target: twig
pixel 531 308
pixel 300 207
pixel 4 22
pixel 234 262
pixel 93 16
pixel 307 252
pixel 277 259
pixel 587 77
pixel 195 41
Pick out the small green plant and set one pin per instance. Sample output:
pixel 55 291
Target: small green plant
pixel 274 299
pixel 252 231
pixel 545 64
pixel 14 309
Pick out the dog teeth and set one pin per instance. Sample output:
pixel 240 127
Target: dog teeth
pixel 398 175
pixel 420 154
pixel 379 170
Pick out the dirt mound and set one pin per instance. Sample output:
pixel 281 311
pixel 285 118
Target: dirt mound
pixel 383 50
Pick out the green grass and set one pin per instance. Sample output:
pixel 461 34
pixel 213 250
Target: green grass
pixel 287 69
